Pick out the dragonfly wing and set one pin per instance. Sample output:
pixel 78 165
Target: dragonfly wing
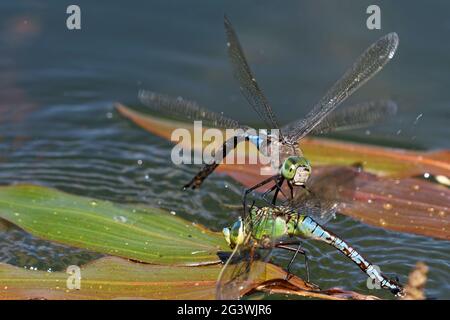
pixel 322 210
pixel 322 197
pixel 246 266
pixel 367 65
pixel 356 116
pixel 184 109
pixel 248 85
pixel 241 272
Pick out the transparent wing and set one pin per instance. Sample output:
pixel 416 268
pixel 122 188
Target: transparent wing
pixel 246 266
pixel 367 65
pixel 322 198
pixel 357 116
pixel 248 85
pixel 185 110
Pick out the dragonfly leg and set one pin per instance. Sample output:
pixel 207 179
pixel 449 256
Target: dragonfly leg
pixel 264 195
pixel 296 251
pixel 291 188
pixel 279 184
pixel 249 190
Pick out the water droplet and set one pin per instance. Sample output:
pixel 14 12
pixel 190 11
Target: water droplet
pixel 387 206
pixel 426 175
pixel 369 201
pixel 147 177
pixel 416 187
pixel 139 162
pixel 121 219
pixel 382 222
pixel 196 252
pixel 93 203
pixel 173 213
pixel 431 209
pixel 442 213
pixel 16 214
pixel 418 118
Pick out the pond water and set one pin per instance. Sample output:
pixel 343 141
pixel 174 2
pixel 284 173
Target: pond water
pixel 58 126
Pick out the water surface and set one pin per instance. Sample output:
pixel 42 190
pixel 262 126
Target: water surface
pixel 58 126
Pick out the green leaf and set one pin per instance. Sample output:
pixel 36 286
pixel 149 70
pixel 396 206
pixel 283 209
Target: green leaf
pixel 143 234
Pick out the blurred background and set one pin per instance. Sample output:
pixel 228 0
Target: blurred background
pixel 58 126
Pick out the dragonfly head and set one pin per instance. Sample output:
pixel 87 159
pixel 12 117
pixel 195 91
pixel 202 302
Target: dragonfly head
pixel 296 169
pixel 236 234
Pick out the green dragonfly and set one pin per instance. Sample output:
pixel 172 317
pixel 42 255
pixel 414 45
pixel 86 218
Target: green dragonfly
pixel 254 236
pixel 290 164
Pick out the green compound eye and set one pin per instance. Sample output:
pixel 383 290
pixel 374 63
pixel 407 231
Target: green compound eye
pixel 288 170
pixel 290 165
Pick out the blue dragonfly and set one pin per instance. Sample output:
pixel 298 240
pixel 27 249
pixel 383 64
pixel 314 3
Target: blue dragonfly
pixel 292 167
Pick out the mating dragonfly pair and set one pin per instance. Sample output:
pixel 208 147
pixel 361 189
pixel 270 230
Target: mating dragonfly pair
pixel 262 229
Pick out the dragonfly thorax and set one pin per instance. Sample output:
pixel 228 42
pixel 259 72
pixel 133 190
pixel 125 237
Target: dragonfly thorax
pixel 264 226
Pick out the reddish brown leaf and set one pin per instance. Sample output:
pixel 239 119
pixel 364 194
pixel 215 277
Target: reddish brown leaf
pixel 391 199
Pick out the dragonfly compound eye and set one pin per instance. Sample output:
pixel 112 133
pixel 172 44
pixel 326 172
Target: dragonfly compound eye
pixel 296 169
pixel 289 167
